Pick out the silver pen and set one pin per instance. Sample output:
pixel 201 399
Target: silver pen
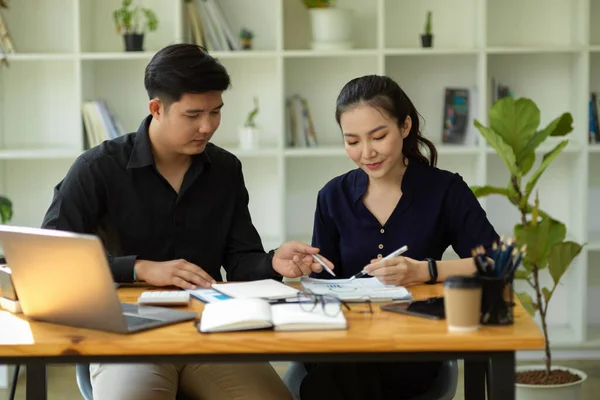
pixel 392 254
pixel 325 267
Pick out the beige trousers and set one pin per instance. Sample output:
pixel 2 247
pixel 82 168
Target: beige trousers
pixel 216 381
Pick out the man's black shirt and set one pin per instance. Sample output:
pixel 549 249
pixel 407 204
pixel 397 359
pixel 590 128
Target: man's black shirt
pixel 115 191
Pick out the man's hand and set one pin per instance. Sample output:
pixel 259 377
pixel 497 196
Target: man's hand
pixel 179 273
pixel 294 259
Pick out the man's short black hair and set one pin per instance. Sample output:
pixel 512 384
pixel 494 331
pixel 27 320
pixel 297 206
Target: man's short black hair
pixel 183 68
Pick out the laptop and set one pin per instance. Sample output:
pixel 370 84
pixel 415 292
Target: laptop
pixel 64 278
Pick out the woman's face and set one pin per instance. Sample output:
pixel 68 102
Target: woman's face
pixel 373 139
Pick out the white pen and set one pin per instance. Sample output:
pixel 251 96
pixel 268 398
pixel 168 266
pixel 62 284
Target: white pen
pixel 325 267
pixel 392 254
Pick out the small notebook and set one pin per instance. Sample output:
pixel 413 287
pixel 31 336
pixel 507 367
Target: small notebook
pixel 249 314
pixel 265 289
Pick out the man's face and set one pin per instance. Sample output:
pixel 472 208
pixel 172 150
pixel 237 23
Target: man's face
pixel 188 124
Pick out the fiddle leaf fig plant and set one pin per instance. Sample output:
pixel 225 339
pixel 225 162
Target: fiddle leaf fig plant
pixel 514 132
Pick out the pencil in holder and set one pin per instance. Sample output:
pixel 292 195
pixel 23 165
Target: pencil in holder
pixel 497 301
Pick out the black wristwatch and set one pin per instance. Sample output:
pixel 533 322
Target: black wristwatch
pixel 433 272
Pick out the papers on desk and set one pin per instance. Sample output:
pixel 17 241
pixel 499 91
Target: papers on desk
pixel 265 289
pixel 207 295
pixel 251 313
pixel 357 289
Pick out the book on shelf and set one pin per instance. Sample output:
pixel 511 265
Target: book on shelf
pixel 498 90
pixel 207 26
pixel 300 127
pixel 594 128
pixel 460 110
pixel 99 123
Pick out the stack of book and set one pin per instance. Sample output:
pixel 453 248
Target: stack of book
pixel 208 27
pixel 99 123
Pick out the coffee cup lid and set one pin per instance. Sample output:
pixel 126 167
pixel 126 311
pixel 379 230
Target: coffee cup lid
pixel 462 281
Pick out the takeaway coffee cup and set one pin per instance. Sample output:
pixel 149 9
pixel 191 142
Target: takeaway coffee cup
pixel 462 303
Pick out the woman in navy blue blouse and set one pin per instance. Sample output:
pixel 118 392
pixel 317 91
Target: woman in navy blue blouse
pixel 395 197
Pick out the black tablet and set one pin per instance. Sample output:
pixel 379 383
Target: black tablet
pixel 432 308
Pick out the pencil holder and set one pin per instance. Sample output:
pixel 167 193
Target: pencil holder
pixel 497 301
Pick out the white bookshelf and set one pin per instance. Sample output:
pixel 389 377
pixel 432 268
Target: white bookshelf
pixel 548 50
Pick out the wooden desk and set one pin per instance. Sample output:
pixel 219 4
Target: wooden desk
pixel 381 336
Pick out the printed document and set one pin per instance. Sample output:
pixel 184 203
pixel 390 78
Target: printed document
pixel 361 289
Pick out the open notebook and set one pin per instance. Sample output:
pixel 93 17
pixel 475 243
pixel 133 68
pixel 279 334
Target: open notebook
pixel 247 314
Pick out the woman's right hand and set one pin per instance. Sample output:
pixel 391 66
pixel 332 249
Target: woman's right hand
pixel 180 273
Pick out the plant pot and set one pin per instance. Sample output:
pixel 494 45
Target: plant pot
pixel 249 137
pixel 570 391
pixel 331 28
pixel 133 41
pixel 427 40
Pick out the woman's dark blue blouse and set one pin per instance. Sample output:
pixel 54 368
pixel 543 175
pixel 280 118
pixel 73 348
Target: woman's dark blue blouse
pixel 437 210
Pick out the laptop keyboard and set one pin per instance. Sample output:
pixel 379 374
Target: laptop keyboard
pixel 133 321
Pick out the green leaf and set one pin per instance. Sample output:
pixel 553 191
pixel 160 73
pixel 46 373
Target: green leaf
pixel 539 239
pixel 522 274
pixel 527 162
pixel 527 302
pixel 546 161
pixel 546 293
pixel 560 257
pixel 480 191
pixel 6 209
pixel 560 126
pixel 515 121
pixel 502 148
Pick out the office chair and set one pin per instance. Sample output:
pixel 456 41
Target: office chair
pixel 444 387
pixel 82 372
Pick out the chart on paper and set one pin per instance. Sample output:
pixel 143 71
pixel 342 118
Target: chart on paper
pixel 356 290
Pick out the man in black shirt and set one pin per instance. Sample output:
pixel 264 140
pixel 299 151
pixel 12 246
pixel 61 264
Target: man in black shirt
pixel 171 209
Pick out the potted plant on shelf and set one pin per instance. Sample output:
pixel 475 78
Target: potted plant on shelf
pixel 249 134
pixel 514 135
pixel 427 36
pixel 246 36
pixel 331 26
pixel 6 209
pixel 133 21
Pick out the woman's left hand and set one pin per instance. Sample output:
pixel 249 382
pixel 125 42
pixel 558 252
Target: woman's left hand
pixel 398 271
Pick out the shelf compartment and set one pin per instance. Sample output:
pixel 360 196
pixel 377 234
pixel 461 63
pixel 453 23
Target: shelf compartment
pixel 251 77
pixel 405 22
pixel 319 81
pixel 297 26
pixel 424 80
pixel 509 23
pixel 594 16
pixel 30 186
pixel 106 80
pixel 304 178
pixel 98 32
pixel 264 24
pixel 261 176
pixel 41 121
pixel 42 33
pixel 528 75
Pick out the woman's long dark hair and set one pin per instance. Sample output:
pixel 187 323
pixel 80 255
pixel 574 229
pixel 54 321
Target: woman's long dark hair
pixel 385 94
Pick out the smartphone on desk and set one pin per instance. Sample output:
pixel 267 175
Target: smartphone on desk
pixel 432 308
